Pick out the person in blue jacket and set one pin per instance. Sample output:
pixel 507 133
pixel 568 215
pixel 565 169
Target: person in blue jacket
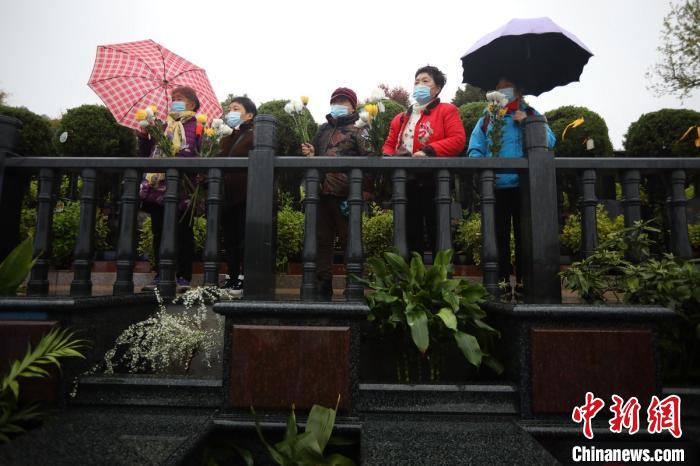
pixel 507 184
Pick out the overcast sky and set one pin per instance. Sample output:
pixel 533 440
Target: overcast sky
pixel 283 49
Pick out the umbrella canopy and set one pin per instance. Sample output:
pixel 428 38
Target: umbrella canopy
pixel 133 75
pixel 534 53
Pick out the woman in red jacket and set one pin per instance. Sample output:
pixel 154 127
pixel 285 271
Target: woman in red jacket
pixel 429 128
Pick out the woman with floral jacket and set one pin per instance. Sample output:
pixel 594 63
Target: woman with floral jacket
pixel 429 128
pixel 185 134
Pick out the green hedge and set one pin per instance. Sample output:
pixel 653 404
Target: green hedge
pixel 574 143
pixel 36 133
pixel 93 132
pixel 656 134
pixel 470 114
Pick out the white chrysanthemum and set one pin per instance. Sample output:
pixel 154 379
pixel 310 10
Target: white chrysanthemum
pixel 224 130
pixel 381 107
pixel 504 102
pixel 364 116
pixel 495 97
pixel 216 123
pixel 289 107
pixel 149 112
pixel 360 124
pixel 143 123
pixel 298 106
pixel 377 95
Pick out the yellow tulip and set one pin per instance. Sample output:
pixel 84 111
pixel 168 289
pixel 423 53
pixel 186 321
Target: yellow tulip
pixel 305 99
pixel 202 118
pixel 372 110
pixel 140 114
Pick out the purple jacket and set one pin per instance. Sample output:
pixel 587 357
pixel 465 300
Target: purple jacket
pixel 155 194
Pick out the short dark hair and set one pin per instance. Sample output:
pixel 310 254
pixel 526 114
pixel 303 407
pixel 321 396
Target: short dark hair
pixel 437 75
pixel 189 93
pixel 247 104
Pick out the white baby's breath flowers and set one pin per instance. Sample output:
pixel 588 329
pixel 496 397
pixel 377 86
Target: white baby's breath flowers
pixel 169 340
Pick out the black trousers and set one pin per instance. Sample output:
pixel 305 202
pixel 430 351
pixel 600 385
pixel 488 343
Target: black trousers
pixel 233 232
pixel 420 216
pixel 185 239
pixel 507 211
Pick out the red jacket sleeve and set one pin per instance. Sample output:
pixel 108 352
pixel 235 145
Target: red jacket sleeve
pixel 389 147
pixel 454 141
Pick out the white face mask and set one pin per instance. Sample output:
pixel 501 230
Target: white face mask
pixel 509 92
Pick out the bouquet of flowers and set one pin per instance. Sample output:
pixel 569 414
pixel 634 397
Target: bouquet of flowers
pixel 210 146
pixel 155 127
pixel 496 110
pixel 301 116
pixel 377 128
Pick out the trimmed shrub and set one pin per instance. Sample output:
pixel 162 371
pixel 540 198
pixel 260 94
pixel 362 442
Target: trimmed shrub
pixel 574 143
pixel 36 133
pixel 657 134
pixel 93 131
pixel 290 232
pixel 377 232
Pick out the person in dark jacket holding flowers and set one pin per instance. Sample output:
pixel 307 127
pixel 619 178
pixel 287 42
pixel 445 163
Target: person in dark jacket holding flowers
pixel 339 136
pixel 429 128
pixel 184 133
pixel 240 117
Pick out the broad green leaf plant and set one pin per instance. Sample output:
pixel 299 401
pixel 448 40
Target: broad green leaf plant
pixel 15 267
pixel 430 305
pixel 301 449
pixel 57 344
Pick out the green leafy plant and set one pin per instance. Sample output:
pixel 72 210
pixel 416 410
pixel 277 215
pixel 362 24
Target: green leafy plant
pixel 15 267
pixel 57 344
pixel 377 232
pixel 468 236
pixel 430 306
pixel 601 274
pixel 64 231
pixel 607 274
pixel 694 234
pixel 300 449
pixel 290 232
pixel 571 233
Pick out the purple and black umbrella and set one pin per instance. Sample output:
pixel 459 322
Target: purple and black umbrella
pixel 534 53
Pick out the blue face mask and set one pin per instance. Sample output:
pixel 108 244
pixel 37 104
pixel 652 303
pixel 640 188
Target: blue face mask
pixel 509 92
pixel 338 111
pixel 178 106
pixel 421 94
pixel 233 119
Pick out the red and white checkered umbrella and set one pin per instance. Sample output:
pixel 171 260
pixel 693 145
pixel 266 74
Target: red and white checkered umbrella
pixel 134 75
